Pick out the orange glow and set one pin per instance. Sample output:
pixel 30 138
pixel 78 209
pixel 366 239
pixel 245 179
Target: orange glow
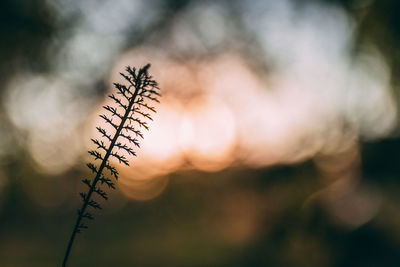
pixel 208 134
pixel 219 112
pixel 256 106
pixel 142 189
pixel 158 154
pixel 161 143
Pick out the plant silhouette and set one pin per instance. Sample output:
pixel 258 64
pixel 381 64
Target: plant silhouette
pixel 132 104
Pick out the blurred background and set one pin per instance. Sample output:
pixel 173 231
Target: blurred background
pixel 276 142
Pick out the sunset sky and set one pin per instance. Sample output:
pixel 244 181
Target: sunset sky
pixel 247 87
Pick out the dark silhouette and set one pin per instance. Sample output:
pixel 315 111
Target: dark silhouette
pixel 133 101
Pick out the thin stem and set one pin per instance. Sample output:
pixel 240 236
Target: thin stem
pixel 99 172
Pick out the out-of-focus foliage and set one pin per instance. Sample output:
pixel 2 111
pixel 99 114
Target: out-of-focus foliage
pixel 276 145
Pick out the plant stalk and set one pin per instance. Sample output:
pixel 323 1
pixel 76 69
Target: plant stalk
pixel 99 172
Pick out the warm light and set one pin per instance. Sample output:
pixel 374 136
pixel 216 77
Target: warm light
pixel 208 134
pixel 293 96
pixel 142 189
